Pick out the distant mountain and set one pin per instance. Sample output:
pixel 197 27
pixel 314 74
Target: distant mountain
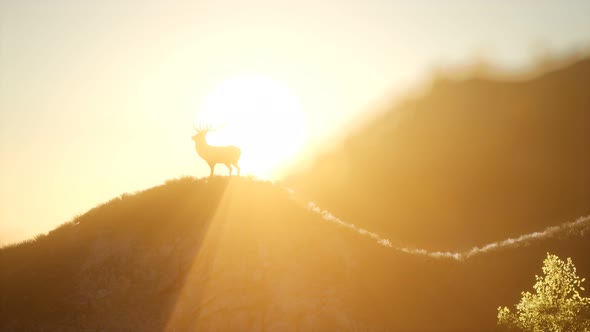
pixel 469 162
pixel 244 255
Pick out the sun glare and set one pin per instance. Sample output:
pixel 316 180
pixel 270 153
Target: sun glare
pixel 261 116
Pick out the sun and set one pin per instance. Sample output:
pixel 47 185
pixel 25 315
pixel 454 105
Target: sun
pixel 262 117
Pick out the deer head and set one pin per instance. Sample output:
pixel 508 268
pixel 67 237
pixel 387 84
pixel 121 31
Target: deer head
pixel 202 130
pixel 200 133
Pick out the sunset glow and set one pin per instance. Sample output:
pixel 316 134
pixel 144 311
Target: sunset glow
pixel 103 95
pixel 259 115
pixel 294 165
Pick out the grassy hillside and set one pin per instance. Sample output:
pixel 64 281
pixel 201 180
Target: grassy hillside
pixel 243 255
pixel 469 162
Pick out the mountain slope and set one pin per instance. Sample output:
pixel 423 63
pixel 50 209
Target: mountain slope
pixel 469 162
pixel 243 255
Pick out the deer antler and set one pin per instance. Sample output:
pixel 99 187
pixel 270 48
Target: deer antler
pixel 202 128
pixel 209 127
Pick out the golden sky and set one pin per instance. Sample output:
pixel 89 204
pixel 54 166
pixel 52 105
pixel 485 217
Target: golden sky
pixel 99 98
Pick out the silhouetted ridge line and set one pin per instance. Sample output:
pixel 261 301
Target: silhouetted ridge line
pixel 511 155
pixel 579 226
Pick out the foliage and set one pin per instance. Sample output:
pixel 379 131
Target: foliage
pixel 556 304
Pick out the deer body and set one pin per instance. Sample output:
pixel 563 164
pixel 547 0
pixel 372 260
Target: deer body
pixel 213 155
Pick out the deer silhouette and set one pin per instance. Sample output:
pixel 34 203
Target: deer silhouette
pixel 213 155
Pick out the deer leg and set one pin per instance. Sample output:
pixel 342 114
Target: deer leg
pixel 212 167
pixel 228 165
pixel 237 167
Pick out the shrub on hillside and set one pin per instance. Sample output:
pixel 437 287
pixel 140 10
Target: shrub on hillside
pixel 556 304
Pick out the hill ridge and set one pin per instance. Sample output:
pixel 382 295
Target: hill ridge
pixel 577 227
pixel 239 254
pixel 472 161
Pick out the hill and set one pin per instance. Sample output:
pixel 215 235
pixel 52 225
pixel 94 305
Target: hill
pixel 468 162
pixel 244 255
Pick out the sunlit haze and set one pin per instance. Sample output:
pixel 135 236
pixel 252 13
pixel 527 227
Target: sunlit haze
pixel 100 98
pixel 261 116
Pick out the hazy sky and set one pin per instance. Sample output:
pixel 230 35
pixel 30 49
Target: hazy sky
pixel 98 98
